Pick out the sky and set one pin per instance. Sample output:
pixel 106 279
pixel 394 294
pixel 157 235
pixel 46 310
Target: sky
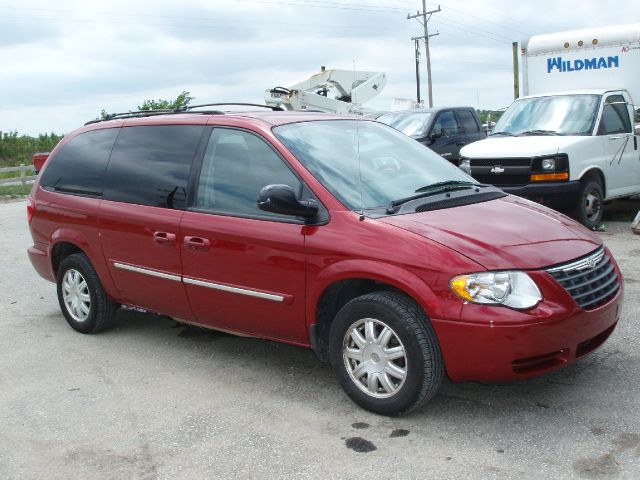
pixel 63 62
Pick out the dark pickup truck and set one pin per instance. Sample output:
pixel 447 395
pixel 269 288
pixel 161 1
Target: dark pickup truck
pixel 445 130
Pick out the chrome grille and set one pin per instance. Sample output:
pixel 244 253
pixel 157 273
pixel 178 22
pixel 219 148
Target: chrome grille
pixel 592 280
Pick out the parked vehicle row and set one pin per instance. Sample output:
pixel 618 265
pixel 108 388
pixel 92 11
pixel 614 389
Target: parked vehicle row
pixel 334 233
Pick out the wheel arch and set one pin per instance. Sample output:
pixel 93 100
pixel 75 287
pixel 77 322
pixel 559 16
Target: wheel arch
pixel 65 242
pixel 344 281
pixel 594 172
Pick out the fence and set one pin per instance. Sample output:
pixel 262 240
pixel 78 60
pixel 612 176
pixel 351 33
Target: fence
pixel 22 179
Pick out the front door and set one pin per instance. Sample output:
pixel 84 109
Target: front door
pixel 620 149
pixel 449 137
pixel 244 269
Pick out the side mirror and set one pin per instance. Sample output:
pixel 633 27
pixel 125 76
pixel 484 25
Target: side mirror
pixel 434 135
pixel 282 199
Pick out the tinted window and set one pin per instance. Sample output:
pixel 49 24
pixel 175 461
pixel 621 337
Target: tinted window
pixel 150 165
pixel 615 116
pixel 446 124
pixel 236 166
pixel 79 166
pixel 468 121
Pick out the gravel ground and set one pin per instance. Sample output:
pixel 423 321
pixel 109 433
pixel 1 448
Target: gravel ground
pixel 150 399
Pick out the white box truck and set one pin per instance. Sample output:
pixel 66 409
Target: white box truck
pixel 570 140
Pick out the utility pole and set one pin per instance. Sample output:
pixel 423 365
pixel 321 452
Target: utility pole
pixel 516 82
pixel 417 50
pixel 426 16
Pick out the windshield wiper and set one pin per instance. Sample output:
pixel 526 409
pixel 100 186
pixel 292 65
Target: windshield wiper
pixel 539 132
pixel 508 134
pixel 433 189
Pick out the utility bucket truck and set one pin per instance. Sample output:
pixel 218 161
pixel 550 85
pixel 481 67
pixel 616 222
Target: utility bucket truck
pixel 575 148
pixel 333 91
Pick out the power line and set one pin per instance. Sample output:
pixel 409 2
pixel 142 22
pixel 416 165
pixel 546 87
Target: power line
pixel 473 31
pixel 477 17
pixel 303 27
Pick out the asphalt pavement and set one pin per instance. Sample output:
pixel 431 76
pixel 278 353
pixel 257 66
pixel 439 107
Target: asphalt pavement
pixel 151 399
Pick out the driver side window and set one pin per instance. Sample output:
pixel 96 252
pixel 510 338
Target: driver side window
pixel 236 166
pixel 446 124
pixel 615 116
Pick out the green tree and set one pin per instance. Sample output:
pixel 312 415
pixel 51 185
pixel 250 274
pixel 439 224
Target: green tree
pixel 181 100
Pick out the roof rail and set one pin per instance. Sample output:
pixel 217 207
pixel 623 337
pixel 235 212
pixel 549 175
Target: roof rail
pixel 271 107
pixel 185 109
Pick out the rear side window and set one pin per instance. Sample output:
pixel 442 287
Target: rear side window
pixel 79 166
pixel 468 121
pixel 150 165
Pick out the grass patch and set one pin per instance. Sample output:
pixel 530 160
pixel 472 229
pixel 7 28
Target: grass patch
pixel 15 190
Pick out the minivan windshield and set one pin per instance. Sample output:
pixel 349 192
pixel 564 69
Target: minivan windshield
pixel 551 115
pixel 409 123
pixel 364 163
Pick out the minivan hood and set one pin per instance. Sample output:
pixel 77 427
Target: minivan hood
pixel 529 146
pixel 508 233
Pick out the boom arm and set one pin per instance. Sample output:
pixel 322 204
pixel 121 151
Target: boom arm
pixel 336 91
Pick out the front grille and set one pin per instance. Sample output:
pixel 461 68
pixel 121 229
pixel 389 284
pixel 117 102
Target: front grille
pixel 502 180
pixel 501 172
pixel 592 280
pixel 504 162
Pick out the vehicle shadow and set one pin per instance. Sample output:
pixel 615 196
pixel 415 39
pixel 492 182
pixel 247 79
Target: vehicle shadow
pixel 295 374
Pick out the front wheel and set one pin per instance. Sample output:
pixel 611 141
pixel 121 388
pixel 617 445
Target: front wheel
pixel 590 207
pixel 385 353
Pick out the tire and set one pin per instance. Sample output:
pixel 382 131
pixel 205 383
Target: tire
pixel 84 303
pixel 589 207
pixel 367 369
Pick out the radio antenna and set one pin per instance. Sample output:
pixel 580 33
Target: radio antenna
pixel 358 152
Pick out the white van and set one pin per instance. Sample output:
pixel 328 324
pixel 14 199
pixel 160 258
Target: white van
pixel 577 147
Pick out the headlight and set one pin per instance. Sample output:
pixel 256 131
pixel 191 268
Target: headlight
pixel 548 164
pixel 511 289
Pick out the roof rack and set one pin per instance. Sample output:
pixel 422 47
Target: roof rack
pixel 185 109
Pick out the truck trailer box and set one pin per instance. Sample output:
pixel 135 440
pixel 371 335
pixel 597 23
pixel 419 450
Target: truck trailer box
pixel 593 58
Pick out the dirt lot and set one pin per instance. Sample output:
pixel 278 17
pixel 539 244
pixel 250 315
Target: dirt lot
pixel 149 399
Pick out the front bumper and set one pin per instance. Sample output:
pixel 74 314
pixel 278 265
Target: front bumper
pixel 492 343
pixel 546 189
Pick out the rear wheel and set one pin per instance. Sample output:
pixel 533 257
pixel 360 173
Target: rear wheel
pixel 84 303
pixel 385 353
pixel 590 206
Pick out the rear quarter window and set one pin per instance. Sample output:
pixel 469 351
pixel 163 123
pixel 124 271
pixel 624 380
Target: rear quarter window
pixel 150 165
pixel 79 166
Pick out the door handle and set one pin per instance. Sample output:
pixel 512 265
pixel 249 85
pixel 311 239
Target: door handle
pixel 197 244
pixel 164 238
pixel 617 138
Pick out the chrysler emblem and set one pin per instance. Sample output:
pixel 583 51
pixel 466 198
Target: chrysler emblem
pixel 591 262
pixel 497 169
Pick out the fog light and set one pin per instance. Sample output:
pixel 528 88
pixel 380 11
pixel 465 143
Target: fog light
pixel 548 163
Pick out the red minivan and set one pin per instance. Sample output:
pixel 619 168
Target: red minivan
pixel 334 233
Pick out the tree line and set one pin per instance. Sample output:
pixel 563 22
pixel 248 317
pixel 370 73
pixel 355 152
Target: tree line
pixel 16 149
